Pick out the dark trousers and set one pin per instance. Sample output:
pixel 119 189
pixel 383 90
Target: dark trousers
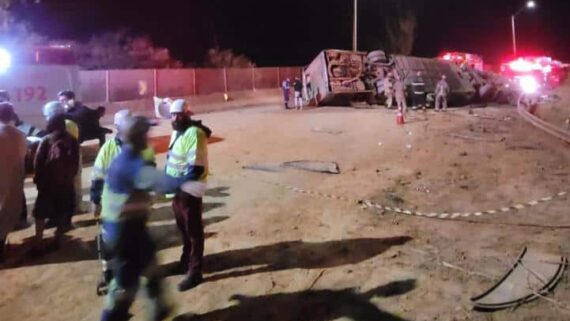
pixel 419 100
pixel 188 213
pixel 133 256
pixel 24 213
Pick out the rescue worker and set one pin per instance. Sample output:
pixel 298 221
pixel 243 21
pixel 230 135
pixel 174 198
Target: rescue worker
pixel 188 159
pixel 419 92
pixel 106 154
pixel 12 172
pixel 125 214
pixel 52 109
pixel 55 165
pixel 298 88
pixel 285 86
pixel 388 90
pixel 400 94
pixel 441 92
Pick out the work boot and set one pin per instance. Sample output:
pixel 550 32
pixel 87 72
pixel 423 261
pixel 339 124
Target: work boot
pixel 190 282
pixel 164 313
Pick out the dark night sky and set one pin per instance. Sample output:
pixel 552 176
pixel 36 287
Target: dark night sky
pixel 275 32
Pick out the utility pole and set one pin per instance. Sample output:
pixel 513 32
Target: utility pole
pixel 355 27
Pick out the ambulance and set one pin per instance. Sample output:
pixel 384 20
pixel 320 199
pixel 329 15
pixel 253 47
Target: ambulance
pixel 32 76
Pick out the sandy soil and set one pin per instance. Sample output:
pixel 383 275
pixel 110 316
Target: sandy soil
pixel 273 254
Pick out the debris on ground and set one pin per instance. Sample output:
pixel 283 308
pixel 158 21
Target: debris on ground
pixel 533 275
pixel 264 168
pixel 314 166
pixel 327 131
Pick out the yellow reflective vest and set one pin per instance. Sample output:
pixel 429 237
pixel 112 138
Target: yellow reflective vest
pixel 108 152
pixel 188 149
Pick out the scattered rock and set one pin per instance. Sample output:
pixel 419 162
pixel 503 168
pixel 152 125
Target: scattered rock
pixel 463 154
pixel 395 255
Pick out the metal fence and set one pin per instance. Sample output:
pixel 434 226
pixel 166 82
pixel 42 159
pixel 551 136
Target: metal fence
pixel 125 85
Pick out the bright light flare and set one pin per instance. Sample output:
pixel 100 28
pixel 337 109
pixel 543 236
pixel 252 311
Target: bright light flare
pixel 529 84
pixel 522 65
pixel 531 4
pixel 5 60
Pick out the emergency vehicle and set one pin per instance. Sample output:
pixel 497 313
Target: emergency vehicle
pixel 34 75
pixel 469 60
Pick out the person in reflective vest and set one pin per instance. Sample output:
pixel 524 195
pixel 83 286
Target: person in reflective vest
pixel 106 154
pixel 188 159
pixel 126 210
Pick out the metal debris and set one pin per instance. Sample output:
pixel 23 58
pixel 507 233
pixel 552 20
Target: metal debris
pixel 532 276
pixel 314 166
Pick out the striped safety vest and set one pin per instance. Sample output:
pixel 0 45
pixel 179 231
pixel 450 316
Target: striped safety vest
pixel 187 149
pixel 108 152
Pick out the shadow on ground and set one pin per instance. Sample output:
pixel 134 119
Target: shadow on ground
pixel 76 250
pixel 311 305
pixel 294 255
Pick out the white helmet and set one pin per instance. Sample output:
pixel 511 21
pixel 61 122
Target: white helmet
pixel 179 106
pixel 121 116
pixel 53 108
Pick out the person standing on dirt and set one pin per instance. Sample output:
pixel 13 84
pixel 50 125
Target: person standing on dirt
pixel 56 165
pixel 388 90
pixel 50 110
pixel 73 109
pixel 125 235
pixel 285 87
pixel 106 154
pixel 298 87
pixel 400 94
pixel 188 159
pixel 419 92
pixel 13 148
pixel 441 92
pixel 30 130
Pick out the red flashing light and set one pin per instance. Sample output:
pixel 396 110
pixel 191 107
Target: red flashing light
pixel 521 65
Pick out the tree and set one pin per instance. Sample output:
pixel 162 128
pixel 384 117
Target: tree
pixel 401 27
pixel 122 50
pixel 19 34
pixel 226 58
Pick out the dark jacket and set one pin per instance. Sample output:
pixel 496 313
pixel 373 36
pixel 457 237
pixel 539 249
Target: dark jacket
pixel 88 121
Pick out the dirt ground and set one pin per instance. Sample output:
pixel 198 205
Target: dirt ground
pixel 273 254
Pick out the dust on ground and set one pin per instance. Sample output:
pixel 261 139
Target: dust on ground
pixel 273 254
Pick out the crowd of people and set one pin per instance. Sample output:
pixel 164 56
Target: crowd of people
pixel 123 181
pixel 394 88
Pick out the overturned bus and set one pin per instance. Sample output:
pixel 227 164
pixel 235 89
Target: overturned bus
pixel 339 77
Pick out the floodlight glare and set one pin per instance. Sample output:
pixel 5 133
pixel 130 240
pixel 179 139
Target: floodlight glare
pixel 5 60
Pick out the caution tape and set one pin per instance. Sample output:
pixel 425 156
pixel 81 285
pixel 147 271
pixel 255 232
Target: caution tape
pixel 402 211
